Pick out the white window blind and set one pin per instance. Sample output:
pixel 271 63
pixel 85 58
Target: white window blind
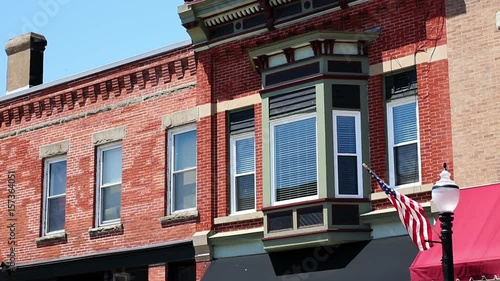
pixel 294 158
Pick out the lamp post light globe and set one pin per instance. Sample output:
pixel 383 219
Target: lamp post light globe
pixel 445 196
pixel 445 193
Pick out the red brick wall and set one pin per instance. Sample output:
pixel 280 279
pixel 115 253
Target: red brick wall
pixel 223 73
pixel 144 162
pixel 407 28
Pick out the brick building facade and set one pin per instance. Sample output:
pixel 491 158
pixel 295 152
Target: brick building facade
pixel 204 130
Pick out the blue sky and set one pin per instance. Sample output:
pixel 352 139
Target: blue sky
pixel 83 35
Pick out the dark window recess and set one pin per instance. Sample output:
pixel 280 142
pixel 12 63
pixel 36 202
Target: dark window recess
pixel 321 3
pixel 401 85
pixel 241 121
pixel 184 271
pixel 222 30
pixel 310 216
pixel 296 101
pixel 280 221
pixel 345 214
pixel 346 96
pixel 254 21
pixel 344 66
pixel 292 74
pixel 288 10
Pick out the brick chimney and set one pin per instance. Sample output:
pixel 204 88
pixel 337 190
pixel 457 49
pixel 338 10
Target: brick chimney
pixel 25 61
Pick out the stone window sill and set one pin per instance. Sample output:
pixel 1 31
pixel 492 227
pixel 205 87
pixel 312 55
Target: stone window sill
pixel 52 239
pixel 179 218
pixel 239 217
pixel 106 230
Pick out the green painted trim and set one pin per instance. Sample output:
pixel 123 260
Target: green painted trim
pixel 266 155
pixel 324 135
pixel 313 240
pixel 365 137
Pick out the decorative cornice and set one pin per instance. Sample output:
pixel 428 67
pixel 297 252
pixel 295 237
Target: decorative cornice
pixel 233 14
pixel 278 2
pixel 320 42
pixel 104 89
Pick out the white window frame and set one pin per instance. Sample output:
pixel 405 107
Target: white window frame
pixel 233 163
pixel 171 155
pixel 273 124
pixel 46 188
pixel 358 154
pixel 100 150
pixel 390 138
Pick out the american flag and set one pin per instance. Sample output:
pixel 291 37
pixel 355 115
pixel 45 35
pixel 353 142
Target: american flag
pixel 411 214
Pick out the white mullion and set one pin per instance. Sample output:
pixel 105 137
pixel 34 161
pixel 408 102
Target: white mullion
pixel 405 143
pixel 184 170
pixel 244 174
pixel 56 196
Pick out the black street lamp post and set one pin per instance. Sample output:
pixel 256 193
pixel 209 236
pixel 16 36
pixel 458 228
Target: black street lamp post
pixel 445 196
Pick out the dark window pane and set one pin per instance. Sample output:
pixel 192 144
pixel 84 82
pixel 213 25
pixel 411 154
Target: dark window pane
pixel 254 21
pixel 185 271
pixel 245 193
pixel 348 175
pixel 222 30
pixel 320 3
pixel 345 214
pixel 401 84
pixel 292 74
pixel 241 121
pixel 280 221
pixel 311 216
pixel 346 96
pixel 56 214
pixel 406 164
pixel 288 10
pixel 345 66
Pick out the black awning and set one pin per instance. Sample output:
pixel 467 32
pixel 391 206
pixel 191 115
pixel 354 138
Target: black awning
pixel 385 259
pixel 141 256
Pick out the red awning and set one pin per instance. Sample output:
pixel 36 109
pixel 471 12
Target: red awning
pixel 476 239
